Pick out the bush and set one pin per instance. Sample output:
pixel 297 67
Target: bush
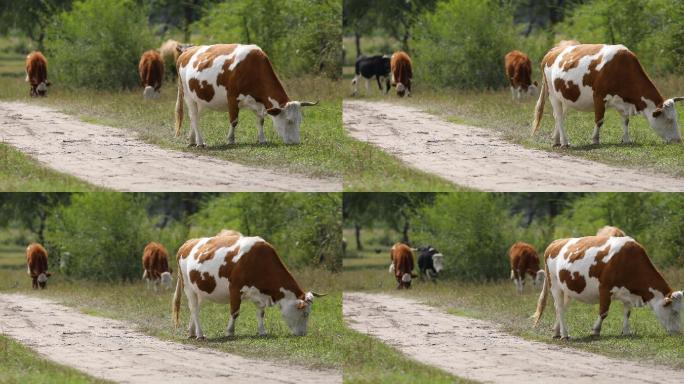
pixel 463 44
pixel 98 44
pixel 304 228
pixel 105 233
pixel 299 36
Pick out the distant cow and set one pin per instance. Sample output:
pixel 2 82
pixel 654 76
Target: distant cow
pixel 230 268
pixel 369 67
pixel 402 72
pixel 610 231
pixel 592 77
pixel 229 77
pixel 598 269
pixel 402 265
pixel 151 70
pixel 430 262
pixel 36 73
pixel 169 51
pixel 37 265
pixel 155 262
pixel 518 69
pixel 524 260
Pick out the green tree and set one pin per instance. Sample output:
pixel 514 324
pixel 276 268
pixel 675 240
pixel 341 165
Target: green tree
pixel 30 17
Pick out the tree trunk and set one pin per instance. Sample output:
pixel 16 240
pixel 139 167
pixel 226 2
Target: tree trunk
pixel 404 42
pixel 357 233
pixel 357 41
pixel 405 236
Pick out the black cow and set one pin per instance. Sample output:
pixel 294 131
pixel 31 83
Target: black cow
pixel 369 67
pixel 430 262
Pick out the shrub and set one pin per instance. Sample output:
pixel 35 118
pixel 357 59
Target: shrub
pixel 98 44
pixel 105 233
pixel 463 43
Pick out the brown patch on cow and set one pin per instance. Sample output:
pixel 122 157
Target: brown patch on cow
pixel 402 257
pixel 155 260
pixel 227 266
pixel 203 90
pixel 223 240
pixel 402 70
pixel 151 69
pixel 36 71
pixel 568 89
pixel 206 59
pixel 554 248
pixel 576 250
pixel 186 248
pixel 523 259
pixel 596 269
pixel 37 263
pixel 518 69
pixel 204 281
pixel 572 58
pixel 574 281
pixel 590 77
pixel 185 57
pixel 553 53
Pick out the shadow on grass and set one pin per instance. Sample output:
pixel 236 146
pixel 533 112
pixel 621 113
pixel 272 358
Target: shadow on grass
pixel 589 147
pixel 590 339
pixel 224 339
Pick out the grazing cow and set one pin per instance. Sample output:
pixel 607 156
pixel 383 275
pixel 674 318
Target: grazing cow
pixel 402 73
pixel 524 260
pixel 610 231
pixel 37 265
pixel 369 67
pixel 596 269
pixel 169 51
pixel 430 262
pixel 230 268
pixel 36 73
pixel 518 69
pixel 402 265
pixel 151 70
pixel 155 262
pixel 591 77
pixel 228 77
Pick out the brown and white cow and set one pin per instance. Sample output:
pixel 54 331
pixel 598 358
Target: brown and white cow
pixel 229 268
pixel 524 260
pixel 229 77
pixel 37 265
pixel 402 72
pixel 598 269
pixel 155 262
pixel 36 73
pixel 610 231
pixel 402 265
pixel 518 69
pixel 151 70
pixel 591 77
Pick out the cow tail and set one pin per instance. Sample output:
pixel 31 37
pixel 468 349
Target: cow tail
pixel 539 109
pixel 179 107
pixel 541 303
pixel 177 297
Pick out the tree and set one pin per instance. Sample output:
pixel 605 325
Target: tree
pixel 31 16
pixel 31 210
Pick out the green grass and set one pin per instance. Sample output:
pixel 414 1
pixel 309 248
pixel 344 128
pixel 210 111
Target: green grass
pixel 19 172
pixel 497 301
pixel 329 343
pixel 19 364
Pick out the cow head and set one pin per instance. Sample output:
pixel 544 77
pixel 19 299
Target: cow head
pixel 668 310
pixel 539 278
pixel 532 89
pixel 166 280
pixel 296 311
pixel 664 120
pixel 287 120
pixel 402 90
pixel 150 93
pixel 438 262
pixel 42 279
pixel 40 89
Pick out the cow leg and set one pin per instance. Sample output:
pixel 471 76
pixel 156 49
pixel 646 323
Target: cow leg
pixel 559 116
pixel 512 92
pixel 235 302
pixel 625 130
pixel 599 113
pixel 35 282
pixel 604 306
pixel 560 305
pixel 625 322
pixel 387 85
pixel 260 127
pixel 233 113
pixel 355 85
pixel 194 305
pixel 193 112
pixel 261 311
pixel 367 86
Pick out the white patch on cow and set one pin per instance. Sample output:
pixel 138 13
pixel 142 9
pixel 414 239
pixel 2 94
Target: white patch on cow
pixel 391 268
pixel 27 77
pixel 246 244
pixel 406 278
pixel 247 101
pixel 539 278
pixel 42 278
pixel 254 295
pixel 296 318
pixel 42 87
pixel 626 296
pixel 669 316
pixel 666 124
pixel 438 262
pixel 401 87
pixel 150 93
pixel 274 102
pixel 288 121
pixel 166 280
pixel 624 108
pixel 240 53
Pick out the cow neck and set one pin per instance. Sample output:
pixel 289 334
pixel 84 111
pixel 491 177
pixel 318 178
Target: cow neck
pixel 658 281
pixel 288 283
pixel 273 88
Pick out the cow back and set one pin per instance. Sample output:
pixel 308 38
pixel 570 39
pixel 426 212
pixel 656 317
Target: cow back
pixel 37 259
pixel 36 68
pixel 402 258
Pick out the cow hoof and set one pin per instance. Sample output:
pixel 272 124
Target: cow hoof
pixel 556 336
pixel 201 338
pixel 565 146
pixel 565 338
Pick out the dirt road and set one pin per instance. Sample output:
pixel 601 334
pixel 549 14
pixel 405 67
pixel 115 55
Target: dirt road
pixel 478 158
pixel 478 350
pixel 112 350
pixel 116 159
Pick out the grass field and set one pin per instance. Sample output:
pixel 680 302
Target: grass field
pixel 498 301
pixel 329 343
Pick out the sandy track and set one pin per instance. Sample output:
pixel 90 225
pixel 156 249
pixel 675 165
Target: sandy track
pixel 478 350
pixel 116 159
pixel 479 158
pixel 112 350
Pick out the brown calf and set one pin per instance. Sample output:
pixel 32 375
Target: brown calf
pixel 402 265
pixel 524 259
pixel 156 265
pixel 37 265
pixel 36 73
pixel 151 70
pixel 402 73
pixel 519 73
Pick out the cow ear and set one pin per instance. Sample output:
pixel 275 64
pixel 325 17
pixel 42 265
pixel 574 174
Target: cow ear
pixel 667 302
pixel 275 111
pixel 657 112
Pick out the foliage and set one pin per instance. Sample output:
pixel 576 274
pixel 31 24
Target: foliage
pixel 106 59
pixel 31 17
pixel 304 228
pixel 462 44
pixel 104 233
pixel 299 36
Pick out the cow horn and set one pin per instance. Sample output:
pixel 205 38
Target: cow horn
pixel 678 98
pixel 308 103
pixel 319 294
